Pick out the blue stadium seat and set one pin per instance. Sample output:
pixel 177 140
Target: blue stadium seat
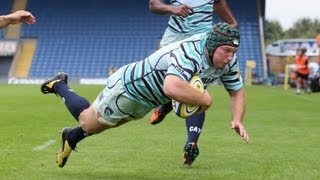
pixel 84 38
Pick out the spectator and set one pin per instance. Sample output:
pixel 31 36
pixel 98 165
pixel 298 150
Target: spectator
pixel 302 70
pixel 112 70
pixel 318 42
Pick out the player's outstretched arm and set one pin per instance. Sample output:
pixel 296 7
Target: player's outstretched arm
pixel 222 9
pixel 159 7
pixel 17 17
pixel 238 107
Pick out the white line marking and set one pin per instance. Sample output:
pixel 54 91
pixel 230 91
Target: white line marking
pixel 44 145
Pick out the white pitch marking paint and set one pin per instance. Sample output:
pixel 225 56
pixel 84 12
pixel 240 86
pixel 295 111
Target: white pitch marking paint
pixel 44 145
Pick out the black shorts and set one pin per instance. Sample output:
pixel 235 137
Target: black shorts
pixel 302 76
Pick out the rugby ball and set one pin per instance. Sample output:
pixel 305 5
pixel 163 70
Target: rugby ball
pixel 184 110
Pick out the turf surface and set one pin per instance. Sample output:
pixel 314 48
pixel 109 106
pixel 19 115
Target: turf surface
pixel 283 128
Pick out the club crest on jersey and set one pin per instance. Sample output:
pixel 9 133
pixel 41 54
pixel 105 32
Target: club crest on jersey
pixel 217 71
pixel 108 111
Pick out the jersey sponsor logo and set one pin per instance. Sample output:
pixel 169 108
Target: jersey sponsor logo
pixel 208 80
pixel 178 68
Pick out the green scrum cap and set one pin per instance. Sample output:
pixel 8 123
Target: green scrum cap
pixel 222 34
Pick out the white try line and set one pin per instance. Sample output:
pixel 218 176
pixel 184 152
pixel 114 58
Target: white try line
pixel 44 145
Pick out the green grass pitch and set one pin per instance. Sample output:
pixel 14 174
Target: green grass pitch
pixel 284 131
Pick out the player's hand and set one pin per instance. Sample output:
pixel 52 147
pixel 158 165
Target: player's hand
pixel 235 25
pixel 181 10
pixel 207 102
pixel 21 16
pixel 240 129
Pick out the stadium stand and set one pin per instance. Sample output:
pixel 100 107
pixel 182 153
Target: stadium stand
pixel 84 38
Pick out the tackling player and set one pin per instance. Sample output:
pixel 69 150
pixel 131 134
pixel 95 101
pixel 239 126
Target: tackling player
pixel 188 17
pixel 135 89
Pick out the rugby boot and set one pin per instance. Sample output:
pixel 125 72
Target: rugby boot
pixel 47 86
pixel 160 113
pixel 190 153
pixel 65 150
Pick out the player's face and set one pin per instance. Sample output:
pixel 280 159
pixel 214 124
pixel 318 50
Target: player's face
pixel 223 55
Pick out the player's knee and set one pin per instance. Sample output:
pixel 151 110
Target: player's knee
pixel 91 125
pixel 85 126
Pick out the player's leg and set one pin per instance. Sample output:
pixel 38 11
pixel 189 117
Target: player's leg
pixel 59 86
pixel 160 113
pixel 82 111
pixel 194 128
pixel 89 124
pixel 298 84
pixel 306 84
pixel 76 105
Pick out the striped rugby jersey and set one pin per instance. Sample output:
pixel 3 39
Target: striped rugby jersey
pixel 143 80
pixel 200 20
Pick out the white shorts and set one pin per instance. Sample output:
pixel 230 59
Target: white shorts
pixel 114 104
